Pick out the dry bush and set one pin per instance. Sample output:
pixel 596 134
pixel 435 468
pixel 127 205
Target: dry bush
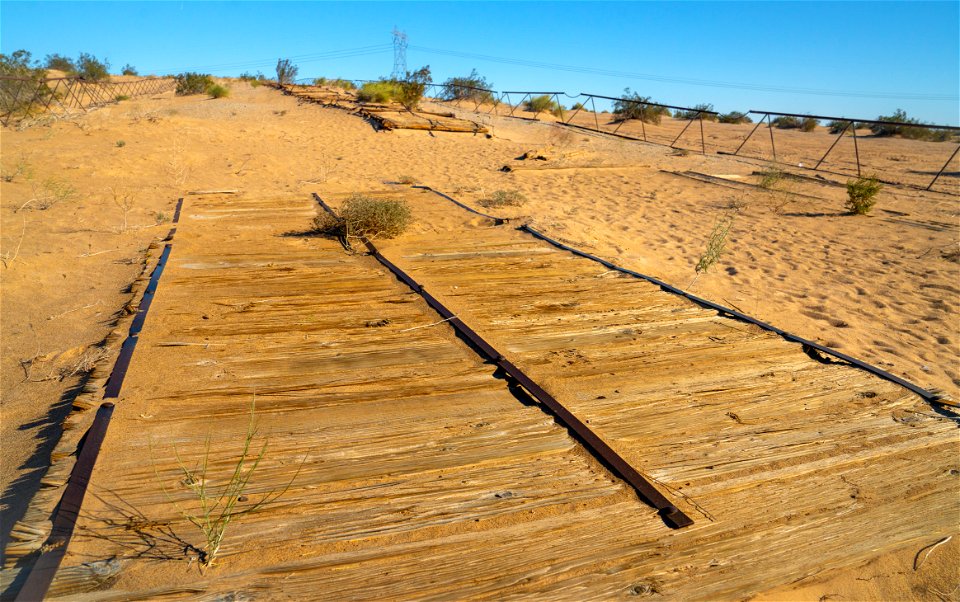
pixel 407 180
pixel 504 198
pixel 716 243
pixel 47 194
pixel 362 216
pixel 286 71
pixel 770 178
pixel 193 83
pixel 20 168
pixel 861 195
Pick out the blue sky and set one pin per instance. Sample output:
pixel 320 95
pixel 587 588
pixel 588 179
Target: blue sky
pixel 857 59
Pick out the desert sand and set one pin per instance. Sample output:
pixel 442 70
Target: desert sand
pixel 881 287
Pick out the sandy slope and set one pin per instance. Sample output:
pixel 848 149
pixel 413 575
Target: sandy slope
pixel 881 287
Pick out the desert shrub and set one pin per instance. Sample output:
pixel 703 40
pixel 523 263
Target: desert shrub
pixel 407 180
pixel 465 88
pixel 861 195
pixel 735 117
pixel 249 77
pixel 121 143
pixel 633 106
pixel 218 91
pixel 576 106
pixel 808 124
pixel 193 83
pixel 59 62
pixel 344 84
pixel 696 110
pixel 380 92
pixel 92 69
pixel 504 198
pixel 129 69
pixel 18 98
pixel 286 71
pixel 838 125
pixel 121 97
pixel 770 178
pixel 912 129
pixel 542 104
pixel 410 90
pixel 365 216
pixel 786 122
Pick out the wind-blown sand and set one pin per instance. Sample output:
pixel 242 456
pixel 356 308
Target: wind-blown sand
pixel 883 288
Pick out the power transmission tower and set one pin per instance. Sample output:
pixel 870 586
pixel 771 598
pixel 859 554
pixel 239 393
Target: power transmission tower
pixel 399 54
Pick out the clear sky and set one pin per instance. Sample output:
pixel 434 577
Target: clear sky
pixel 857 59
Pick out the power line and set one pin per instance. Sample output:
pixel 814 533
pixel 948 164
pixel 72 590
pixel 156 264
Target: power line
pixel 680 80
pixel 302 58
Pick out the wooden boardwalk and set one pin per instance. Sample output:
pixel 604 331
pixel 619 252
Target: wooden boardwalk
pixel 422 476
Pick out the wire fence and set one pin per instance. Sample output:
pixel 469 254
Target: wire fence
pixel 901 153
pixel 27 97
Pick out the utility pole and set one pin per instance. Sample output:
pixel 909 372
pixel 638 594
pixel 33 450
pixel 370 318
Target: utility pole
pixel 399 55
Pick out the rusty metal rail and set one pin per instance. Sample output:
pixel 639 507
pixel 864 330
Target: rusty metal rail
pixel 43 571
pixel 670 514
pixel 810 347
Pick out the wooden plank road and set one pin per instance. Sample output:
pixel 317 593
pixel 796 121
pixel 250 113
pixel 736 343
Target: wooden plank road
pixel 792 464
pixel 417 474
pixel 422 475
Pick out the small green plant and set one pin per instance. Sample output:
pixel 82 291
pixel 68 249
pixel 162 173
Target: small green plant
pixel 121 143
pixel 734 117
pixel 21 168
pixel 255 83
pixel 770 178
pixel 808 124
pixel 504 198
pixel 193 83
pixel 161 217
pixel 366 216
pixel 576 106
pixel 716 243
pixel 121 97
pixel 286 71
pixel 218 91
pixel 406 180
pixel 129 69
pixel 218 506
pixel 250 77
pixel 861 195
